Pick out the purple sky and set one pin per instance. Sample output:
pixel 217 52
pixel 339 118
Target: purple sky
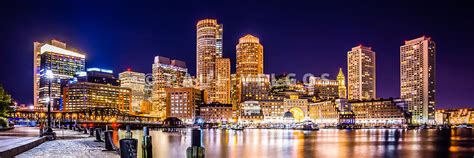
pixel 298 37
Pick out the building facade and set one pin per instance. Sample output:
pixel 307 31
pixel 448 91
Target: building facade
pixel 254 87
pixel 63 63
pixel 418 78
pixel 91 96
pixel 208 49
pixel 250 112
pixel 136 82
pixel 380 112
pixel 167 73
pixel 297 106
pixel 361 76
pixel 249 56
pixel 460 116
pixel 216 113
pixel 183 103
pixel 98 75
pixel 341 79
pixel 273 110
pixel 324 88
pixel 331 112
pixel 223 81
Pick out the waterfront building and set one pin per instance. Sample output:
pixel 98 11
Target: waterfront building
pixel 458 116
pixel 342 84
pixel 249 56
pixel 167 73
pixel 84 95
pixel 273 110
pixel 324 88
pixel 136 82
pixel 64 62
pixel 379 112
pixel 297 106
pixel 361 76
pixel 183 103
pixel 216 112
pixel 332 112
pixel 418 78
pixel 223 81
pixel 208 49
pixel 250 112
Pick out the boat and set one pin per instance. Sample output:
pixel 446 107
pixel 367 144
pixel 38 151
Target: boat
pixel 307 126
pixel 310 127
pixel 237 127
pixel 464 126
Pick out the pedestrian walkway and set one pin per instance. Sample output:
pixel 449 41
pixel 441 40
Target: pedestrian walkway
pixel 18 140
pixel 83 147
pixel 21 139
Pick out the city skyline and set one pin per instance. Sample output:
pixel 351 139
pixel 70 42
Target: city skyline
pixel 387 63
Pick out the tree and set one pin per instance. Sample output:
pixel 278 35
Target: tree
pixel 5 102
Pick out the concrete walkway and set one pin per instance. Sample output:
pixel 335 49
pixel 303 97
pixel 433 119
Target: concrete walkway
pixel 26 142
pixel 83 147
pixel 18 140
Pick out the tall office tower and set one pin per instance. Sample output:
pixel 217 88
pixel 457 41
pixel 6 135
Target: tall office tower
pixel 53 56
pixel 167 73
pixel 208 49
pixel 223 81
pixel 361 73
pixel 219 41
pixel 249 56
pixel 417 77
pixel 136 82
pixel 342 84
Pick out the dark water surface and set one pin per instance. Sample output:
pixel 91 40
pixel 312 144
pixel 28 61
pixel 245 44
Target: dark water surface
pixel 276 143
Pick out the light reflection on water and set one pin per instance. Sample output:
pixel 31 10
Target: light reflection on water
pixel 276 143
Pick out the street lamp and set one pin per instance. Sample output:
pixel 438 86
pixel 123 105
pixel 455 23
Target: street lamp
pixel 50 76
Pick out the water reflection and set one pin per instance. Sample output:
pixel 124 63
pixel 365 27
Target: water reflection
pixel 277 143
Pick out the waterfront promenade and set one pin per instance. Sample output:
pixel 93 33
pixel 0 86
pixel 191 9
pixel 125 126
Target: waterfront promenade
pixel 81 147
pixel 25 142
pixel 18 140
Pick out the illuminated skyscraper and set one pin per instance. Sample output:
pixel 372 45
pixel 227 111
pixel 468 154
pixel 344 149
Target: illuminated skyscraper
pixel 219 44
pixel 167 73
pixel 342 84
pixel 208 49
pixel 361 73
pixel 63 62
pixel 136 82
pixel 249 56
pixel 223 80
pixel 417 77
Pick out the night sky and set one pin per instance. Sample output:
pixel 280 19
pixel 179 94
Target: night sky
pixel 298 37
